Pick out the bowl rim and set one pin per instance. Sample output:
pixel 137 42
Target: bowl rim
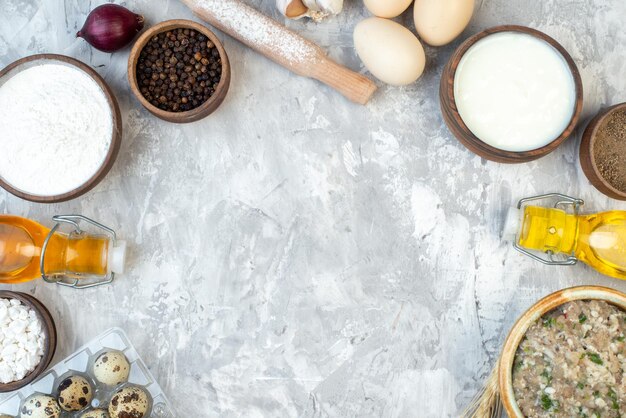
pixel 536 311
pixel 207 107
pixel 485 150
pixel 591 134
pixel 50 333
pixel 116 136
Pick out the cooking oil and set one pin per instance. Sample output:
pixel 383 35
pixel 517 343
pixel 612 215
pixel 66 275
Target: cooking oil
pixel 76 254
pixel 598 239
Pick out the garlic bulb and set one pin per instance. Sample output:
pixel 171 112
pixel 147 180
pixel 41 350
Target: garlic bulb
pixel 314 9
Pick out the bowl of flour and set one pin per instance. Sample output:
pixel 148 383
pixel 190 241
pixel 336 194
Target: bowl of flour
pixel 61 128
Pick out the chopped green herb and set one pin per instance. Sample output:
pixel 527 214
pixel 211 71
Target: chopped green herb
pixel 548 322
pixel 582 318
pixel 594 357
pixel 546 402
pixel 580 385
pixel 546 374
pixel 596 393
pixel 613 397
pixel 621 339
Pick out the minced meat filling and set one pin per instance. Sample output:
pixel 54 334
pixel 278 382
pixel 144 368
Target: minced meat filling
pixel 571 363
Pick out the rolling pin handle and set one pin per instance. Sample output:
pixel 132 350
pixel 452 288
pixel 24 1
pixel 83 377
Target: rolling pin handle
pixel 352 85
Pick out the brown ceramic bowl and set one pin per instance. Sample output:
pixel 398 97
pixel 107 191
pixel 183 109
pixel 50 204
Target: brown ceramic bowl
pixel 517 333
pixel 116 139
pixel 50 333
pixel 206 108
pixel 456 125
pixel 587 159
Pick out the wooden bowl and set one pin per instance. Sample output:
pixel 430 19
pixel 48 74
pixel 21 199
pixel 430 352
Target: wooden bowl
pixel 456 125
pixel 587 159
pixel 532 315
pixel 116 139
pixel 50 333
pixel 206 108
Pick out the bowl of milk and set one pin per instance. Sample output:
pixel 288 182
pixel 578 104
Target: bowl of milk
pixel 511 94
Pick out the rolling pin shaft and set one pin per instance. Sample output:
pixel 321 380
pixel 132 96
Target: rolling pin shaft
pixel 282 45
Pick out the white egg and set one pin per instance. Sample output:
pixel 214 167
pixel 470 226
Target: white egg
pixel 439 22
pixel 387 8
pixel 389 51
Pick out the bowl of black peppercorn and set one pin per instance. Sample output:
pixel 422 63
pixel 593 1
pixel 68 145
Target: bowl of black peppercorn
pixel 179 71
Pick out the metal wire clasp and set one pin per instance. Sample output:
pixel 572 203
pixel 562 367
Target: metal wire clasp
pixel 62 279
pixel 564 202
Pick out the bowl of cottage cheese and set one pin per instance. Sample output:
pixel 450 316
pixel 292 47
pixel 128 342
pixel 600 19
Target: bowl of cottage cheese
pixel 27 339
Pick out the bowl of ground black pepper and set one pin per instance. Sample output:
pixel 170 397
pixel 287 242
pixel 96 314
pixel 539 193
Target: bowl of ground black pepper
pixel 603 151
pixel 179 71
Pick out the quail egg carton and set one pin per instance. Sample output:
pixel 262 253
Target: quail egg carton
pixel 81 363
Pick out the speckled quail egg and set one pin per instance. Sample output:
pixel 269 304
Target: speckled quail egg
pixel 129 402
pixel 40 406
pixel 95 413
pixel 111 368
pixel 75 393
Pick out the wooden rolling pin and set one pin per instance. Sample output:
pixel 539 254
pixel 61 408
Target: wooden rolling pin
pixel 282 45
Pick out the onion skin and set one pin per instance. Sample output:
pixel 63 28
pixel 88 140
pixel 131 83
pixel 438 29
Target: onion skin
pixel 110 27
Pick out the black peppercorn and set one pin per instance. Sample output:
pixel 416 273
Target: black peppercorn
pixel 178 70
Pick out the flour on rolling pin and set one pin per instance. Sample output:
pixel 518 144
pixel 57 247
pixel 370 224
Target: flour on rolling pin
pixel 259 31
pixel 282 45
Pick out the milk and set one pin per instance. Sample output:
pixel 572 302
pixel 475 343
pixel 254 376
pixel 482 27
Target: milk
pixel 514 91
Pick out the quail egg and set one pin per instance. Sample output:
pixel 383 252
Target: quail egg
pixel 95 413
pixel 75 393
pixel 129 402
pixel 111 368
pixel 40 406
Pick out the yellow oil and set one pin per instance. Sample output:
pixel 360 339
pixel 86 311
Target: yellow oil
pixel 598 239
pixel 21 242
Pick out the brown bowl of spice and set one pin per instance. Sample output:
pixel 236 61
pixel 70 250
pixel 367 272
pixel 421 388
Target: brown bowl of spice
pixel 28 342
pixel 179 71
pixel 603 151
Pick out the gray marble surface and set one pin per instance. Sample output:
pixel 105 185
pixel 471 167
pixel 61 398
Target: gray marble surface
pixel 298 255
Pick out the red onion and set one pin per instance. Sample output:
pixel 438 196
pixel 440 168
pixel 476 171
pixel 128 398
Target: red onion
pixel 110 27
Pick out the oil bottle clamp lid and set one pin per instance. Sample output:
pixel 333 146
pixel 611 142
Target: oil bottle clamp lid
pixel 512 224
pixel 117 256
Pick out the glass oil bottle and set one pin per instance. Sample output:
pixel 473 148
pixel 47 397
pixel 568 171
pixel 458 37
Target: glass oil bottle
pixel 29 250
pixel 560 235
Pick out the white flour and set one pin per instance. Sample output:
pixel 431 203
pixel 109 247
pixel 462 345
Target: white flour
pixel 257 30
pixel 56 129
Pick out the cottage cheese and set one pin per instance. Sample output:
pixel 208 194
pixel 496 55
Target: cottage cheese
pixel 21 340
